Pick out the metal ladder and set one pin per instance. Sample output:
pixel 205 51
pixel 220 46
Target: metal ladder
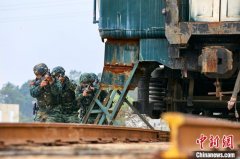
pixel 107 111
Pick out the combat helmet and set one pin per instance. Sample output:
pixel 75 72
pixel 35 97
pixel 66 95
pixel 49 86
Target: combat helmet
pixel 40 69
pixel 85 78
pixel 56 71
pixel 94 77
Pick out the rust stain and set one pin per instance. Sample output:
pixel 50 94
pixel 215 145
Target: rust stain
pixel 115 87
pixel 117 69
pixel 216 59
pixel 215 24
pixel 123 42
pixel 187 29
pixel 209 60
pixel 116 63
pixel 121 52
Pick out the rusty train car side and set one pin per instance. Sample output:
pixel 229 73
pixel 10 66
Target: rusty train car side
pixel 187 52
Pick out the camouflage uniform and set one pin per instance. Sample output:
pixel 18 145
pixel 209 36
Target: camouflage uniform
pixel 47 96
pixel 69 109
pixel 94 79
pixel 84 101
pixel 95 82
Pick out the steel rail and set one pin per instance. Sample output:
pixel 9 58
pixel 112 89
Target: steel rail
pixel 187 129
pixel 58 133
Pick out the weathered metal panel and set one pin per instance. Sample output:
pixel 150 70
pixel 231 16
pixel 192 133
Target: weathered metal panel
pixel 120 57
pixel 184 10
pixel 114 79
pixel 157 50
pixel 230 10
pixel 121 52
pixel 208 60
pixel 204 10
pixel 182 33
pixel 216 59
pixel 131 18
pixel 154 50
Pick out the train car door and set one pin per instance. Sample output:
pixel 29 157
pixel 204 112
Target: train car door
pixel 204 10
pixel 230 10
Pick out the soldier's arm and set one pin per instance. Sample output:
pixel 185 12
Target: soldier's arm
pixel 96 88
pixel 71 84
pixel 79 93
pixel 35 90
pixel 56 87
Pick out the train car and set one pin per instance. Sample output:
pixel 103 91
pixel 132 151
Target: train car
pixel 186 53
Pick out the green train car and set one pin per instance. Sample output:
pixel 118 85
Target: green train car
pixel 187 53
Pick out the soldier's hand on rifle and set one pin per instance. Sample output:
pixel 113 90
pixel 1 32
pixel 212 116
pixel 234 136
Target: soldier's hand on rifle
pixel 49 78
pixel 43 83
pixel 61 78
pixel 85 93
pixel 92 88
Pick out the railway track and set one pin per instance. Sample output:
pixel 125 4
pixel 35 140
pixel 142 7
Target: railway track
pixel 61 134
pixel 74 140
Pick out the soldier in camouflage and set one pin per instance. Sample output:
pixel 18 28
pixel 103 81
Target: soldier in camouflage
pixel 69 109
pixel 46 89
pixel 85 93
pixel 95 83
pixel 94 79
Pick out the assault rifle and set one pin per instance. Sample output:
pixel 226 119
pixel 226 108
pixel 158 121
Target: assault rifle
pixel 35 108
pixel 88 88
pixel 47 77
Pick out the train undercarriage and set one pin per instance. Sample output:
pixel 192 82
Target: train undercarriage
pixel 202 84
pixel 166 90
